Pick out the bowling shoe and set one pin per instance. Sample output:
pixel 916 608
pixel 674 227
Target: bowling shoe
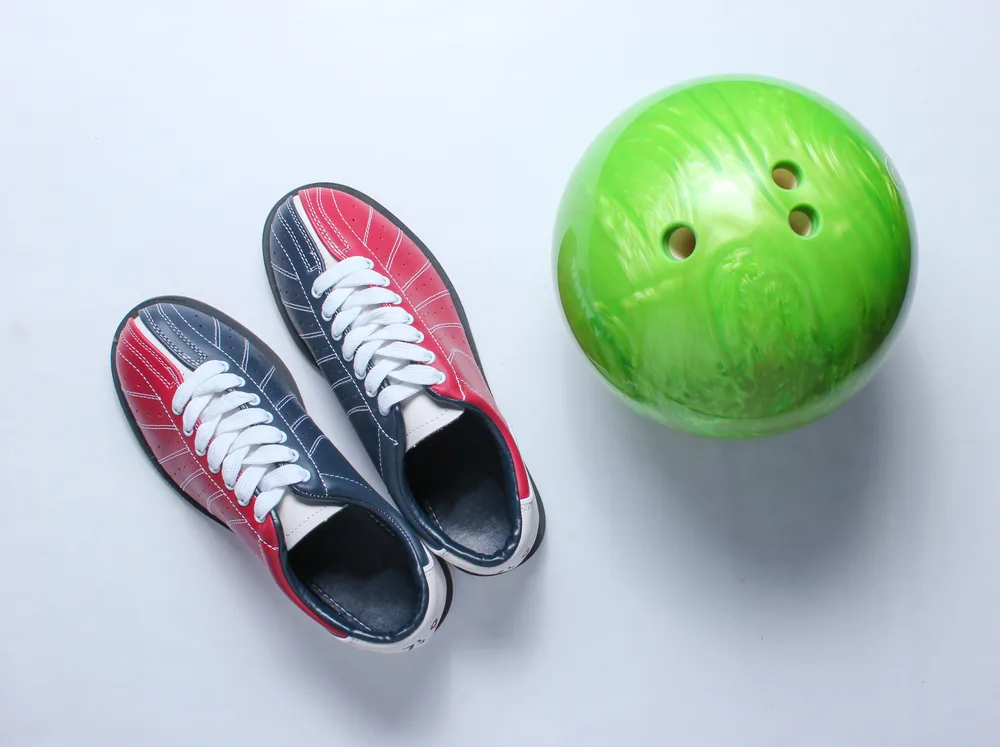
pixel 372 307
pixel 223 421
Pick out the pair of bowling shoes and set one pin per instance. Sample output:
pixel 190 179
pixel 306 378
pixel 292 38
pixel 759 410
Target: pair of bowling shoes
pixel 221 417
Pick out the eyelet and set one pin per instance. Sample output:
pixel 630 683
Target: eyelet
pixel 443 377
pixel 432 357
pixel 295 456
pixel 255 401
pixel 420 336
pixel 188 433
pixel 243 382
pixel 175 411
pixel 371 393
pixel 200 452
pixel 214 471
pixel 399 299
pixel 382 412
pixel 313 293
pixel 258 519
pixel 324 316
pixel 371 265
pixel 284 437
pixel 410 318
pixel 270 418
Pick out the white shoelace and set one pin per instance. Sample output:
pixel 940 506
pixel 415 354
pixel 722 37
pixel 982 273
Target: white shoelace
pixel 377 329
pixel 237 438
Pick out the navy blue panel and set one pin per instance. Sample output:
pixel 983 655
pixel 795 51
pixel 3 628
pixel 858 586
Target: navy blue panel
pixel 195 336
pixel 296 264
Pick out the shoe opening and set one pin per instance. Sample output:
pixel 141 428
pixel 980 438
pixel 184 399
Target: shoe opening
pixel 361 570
pixel 461 479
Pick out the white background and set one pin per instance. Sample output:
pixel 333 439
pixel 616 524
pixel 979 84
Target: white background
pixel 834 587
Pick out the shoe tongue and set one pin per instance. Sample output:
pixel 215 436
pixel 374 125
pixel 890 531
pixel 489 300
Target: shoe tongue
pixel 299 518
pixel 423 416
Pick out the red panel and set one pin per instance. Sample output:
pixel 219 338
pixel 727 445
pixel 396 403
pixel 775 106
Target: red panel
pixel 349 226
pixel 149 380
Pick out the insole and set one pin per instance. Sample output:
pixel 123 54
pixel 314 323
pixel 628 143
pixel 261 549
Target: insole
pixel 457 476
pixel 360 569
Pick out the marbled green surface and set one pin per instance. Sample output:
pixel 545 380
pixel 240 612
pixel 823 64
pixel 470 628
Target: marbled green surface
pixel 760 330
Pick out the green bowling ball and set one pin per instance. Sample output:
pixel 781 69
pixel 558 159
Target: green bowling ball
pixel 733 255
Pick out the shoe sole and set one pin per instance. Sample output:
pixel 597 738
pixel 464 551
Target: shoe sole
pixel 447 284
pixel 264 348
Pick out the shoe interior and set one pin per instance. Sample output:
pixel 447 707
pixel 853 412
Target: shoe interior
pixel 362 570
pixel 458 476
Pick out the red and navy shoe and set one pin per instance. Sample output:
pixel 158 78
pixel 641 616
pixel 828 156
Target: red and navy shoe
pixel 375 311
pixel 221 418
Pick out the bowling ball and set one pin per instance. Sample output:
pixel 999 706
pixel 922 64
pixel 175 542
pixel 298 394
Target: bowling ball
pixel 733 256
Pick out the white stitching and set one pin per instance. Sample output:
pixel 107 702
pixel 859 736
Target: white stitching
pixel 140 395
pixel 312 449
pixel 368 225
pixel 381 467
pixel 128 344
pixel 216 496
pixel 310 267
pixel 348 479
pixel 173 346
pixel 456 351
pixel 139 338
pixel 322 208
pixel 168 457
pixel 326 336
pixel 430 510
pixel 403 292
pixel 445 325
pixel 282 271
pixel 261 391
pixel 430 300
pixel 184 441
pixel 323 233
pixel 418 273
pixel 395 248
